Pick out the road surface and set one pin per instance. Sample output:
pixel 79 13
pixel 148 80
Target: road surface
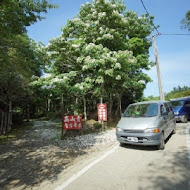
pixel 134 168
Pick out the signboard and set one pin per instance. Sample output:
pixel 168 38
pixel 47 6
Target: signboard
pixel 72 122
pixel 102 112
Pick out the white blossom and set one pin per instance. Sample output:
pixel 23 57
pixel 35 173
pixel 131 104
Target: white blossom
pixel 46 87
pixel 108 36
pixel 75 45
pixel 55 79
pixel 141 81
pixel 113 5
pixel 118 65
pixel 118 77
pixel 54 52
pixel 87 25
pixel 116 13
pixel 102 14
pixel 97 22
pixel 76 19
pixel 46 75
pixel 81 87
pixel 89 46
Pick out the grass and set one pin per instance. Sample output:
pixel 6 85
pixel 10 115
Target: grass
pixel 16 131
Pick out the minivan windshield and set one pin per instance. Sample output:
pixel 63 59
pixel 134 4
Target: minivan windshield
pixel 142 110
pixel 177 103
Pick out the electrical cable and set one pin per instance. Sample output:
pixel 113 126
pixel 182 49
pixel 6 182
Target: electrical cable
pixel 175 34
pixel 158 33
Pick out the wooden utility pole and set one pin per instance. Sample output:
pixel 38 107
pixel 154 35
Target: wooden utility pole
pixel 162 98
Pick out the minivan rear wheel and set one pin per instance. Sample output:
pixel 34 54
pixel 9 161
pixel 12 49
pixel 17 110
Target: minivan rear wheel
pixel 184 119
pixel 161 146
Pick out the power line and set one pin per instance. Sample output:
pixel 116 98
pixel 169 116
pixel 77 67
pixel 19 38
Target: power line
pixel 149 15
pixel 175 34
pixel 158 33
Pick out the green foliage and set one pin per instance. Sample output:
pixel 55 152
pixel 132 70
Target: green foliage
pixel 97 126
pixel 107 49
pixel 185 23
pixel 150 98
pixel 20 57
pixel 178 92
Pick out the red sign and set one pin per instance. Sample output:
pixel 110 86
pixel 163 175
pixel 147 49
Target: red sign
pixel 72 122
pixel 102 112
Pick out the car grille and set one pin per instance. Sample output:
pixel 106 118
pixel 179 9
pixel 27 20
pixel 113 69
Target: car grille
pixel 133 131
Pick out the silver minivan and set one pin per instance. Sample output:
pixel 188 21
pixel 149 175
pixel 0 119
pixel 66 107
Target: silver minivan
pixel 146 123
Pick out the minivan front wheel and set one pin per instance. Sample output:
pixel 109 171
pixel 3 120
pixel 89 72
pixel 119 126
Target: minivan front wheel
pixel 161 146
pixel 184 119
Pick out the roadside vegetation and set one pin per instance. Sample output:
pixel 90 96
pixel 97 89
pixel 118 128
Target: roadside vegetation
pixel 177 92
pixel 102 53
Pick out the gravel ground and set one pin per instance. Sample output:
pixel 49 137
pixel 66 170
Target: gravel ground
pixel 39 154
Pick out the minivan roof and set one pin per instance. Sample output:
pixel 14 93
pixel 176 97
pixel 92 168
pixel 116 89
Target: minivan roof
pixel 149 102
pixel 183 98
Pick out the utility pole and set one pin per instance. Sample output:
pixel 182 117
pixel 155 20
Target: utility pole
pixel 162 98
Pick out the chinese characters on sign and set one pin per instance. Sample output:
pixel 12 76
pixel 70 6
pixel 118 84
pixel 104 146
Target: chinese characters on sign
pixel 102 112
pixel 72 122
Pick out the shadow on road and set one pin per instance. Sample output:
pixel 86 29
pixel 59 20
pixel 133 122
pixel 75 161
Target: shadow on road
pixel 172 172
pixel 27 162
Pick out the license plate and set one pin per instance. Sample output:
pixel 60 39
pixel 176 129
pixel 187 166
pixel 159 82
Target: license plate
pixel 132 139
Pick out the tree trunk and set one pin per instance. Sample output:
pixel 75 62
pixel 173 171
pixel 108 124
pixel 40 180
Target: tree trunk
pixel 28 113
pixel 111 105
pixel 10 106
pixel 2 119
pixel 85 114
pixel 62 105
pixel 77 110
pixel 119 105
pixel 10 111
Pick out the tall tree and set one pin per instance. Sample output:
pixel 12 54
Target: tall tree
pixel 107 47
pixel 20 57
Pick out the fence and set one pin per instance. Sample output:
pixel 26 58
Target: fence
pixel 5 122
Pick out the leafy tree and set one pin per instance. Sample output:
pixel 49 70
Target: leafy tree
pixel 25 60
pixel 178 92
pixel 186 21
pixel 20 57
pixel 107 48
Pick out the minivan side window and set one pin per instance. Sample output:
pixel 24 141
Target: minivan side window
pixel 162 109
pixel 167 107
pixel 170 106
pixel 187 104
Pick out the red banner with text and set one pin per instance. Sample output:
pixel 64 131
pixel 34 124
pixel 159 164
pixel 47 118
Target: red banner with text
pixel 102 112
pixel 72 122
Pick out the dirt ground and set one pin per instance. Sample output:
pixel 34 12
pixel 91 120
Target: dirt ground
pixel 38 154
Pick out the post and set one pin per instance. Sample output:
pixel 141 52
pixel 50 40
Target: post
pixel 63 113
pixel 101 102
pixel 162 98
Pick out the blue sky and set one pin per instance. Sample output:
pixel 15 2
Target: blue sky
pixel 174 51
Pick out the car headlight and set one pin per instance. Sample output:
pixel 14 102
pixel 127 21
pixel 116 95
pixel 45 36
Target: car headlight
pixel 119 129
pixel 152 130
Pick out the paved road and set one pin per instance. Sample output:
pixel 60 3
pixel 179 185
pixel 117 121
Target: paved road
pixel 138 168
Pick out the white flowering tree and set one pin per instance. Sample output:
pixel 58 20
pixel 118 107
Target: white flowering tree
pixel 107 48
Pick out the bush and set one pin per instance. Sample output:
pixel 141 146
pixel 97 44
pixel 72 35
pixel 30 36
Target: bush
pixel 97 126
